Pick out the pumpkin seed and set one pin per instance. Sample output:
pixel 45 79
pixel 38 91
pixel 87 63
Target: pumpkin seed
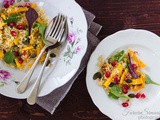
pixel 97 75
pixel 131 95
pixel 128 80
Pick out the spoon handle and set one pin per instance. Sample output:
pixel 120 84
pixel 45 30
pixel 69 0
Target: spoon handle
pixel 23 84
pixel 33 94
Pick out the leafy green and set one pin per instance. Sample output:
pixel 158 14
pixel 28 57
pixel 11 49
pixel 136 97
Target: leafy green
pixel 41 28
pixel 9 57
pixel 116 91
pixel 148 80
pixel 12 18
pixel 118 57
pixel 111 95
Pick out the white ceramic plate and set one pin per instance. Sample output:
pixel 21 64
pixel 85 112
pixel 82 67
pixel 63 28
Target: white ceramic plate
pixel 148 46
pixel 68 60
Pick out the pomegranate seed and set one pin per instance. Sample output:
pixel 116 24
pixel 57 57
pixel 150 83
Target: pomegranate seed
pixel 20 60
pixel 13 33
pixel 107 74
pixel 125 91
pixel 20 27
pixel 15 53
pixel 143 96
pixel 125 104
pixel 126 87
pixel 128 75
pixel 116 79
pixel 11 24
pixel 27 5
pixel 6 5
pixel 103 67
pixel 114 63
pixel 134 66
pixel 23 53
pixel 138 95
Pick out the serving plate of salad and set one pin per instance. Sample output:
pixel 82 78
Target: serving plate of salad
pixel 123 77
pixel 22 27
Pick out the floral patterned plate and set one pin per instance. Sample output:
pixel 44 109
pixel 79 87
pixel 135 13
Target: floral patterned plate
pixel 68 60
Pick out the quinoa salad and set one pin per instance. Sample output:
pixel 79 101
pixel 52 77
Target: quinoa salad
pixel 122 77
pixel 19 47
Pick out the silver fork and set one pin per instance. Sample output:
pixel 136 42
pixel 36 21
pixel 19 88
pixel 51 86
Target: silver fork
pixel 33 94
pixel 54 30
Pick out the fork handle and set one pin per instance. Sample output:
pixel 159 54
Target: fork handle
pixel 23 84
pixel 33 94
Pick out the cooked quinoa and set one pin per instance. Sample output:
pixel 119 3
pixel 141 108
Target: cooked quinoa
pixel 17 48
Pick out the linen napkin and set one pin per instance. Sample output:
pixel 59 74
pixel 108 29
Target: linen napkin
pixel 51 101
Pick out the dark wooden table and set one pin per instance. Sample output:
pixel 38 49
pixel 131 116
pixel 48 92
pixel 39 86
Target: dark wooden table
pixel 113 15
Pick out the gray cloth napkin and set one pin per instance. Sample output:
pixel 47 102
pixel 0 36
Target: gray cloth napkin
pixel 52 100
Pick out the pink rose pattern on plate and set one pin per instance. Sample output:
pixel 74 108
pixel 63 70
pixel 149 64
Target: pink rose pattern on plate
pixel 73 43
pixel 4 77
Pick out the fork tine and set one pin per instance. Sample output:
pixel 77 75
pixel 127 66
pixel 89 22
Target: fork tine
pixel 62 29
pixel 54 29
pixel 52 25
pixel 58 32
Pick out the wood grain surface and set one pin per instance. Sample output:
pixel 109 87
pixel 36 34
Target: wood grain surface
pixel 113 15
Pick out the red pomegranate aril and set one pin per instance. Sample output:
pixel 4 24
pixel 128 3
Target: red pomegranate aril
pixel 125 104
pixel 6 5
pixel 107 74
pixel 20 27
pixel 134 66
pixel 125 91
pixel 103 67
pixel 12 24
pixel 15 53
pixel 116 79
pixel 138 95
pixel 13 33
pixel 114 63
pixel 127 75
pixel 126 87
pixel 20 60
pixel 27 5
pixel 143 96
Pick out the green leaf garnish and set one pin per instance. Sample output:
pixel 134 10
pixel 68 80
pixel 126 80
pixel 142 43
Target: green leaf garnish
pixel 12 18
pixel 111 95
pixel 9 57
pixel 41 28
pixel 118 57
pixel 117 91
pixel 148 80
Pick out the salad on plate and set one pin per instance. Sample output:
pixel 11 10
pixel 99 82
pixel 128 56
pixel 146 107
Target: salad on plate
pixel 122 77
pixel 22 29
